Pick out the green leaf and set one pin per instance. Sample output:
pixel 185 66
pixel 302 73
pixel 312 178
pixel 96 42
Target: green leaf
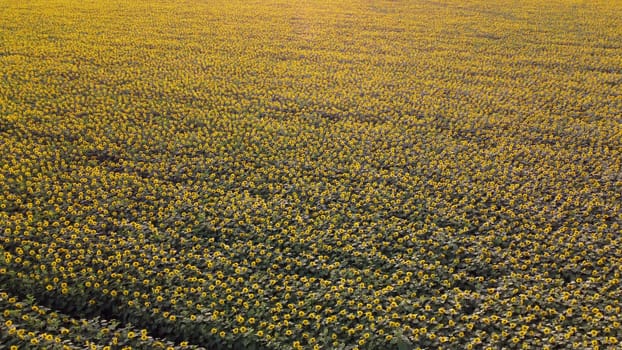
pixel 403 343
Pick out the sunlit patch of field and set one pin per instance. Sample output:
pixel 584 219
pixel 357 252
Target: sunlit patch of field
pixel 276 175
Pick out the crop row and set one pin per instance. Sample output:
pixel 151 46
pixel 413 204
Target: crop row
pixel 27 325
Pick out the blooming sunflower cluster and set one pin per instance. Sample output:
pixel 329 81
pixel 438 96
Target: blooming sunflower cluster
pixel 317 175
pixel 27 325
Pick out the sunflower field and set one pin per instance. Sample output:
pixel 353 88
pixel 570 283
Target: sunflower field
pixel 272 174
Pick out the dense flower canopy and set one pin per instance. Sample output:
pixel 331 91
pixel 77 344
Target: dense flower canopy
pixel 311 174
